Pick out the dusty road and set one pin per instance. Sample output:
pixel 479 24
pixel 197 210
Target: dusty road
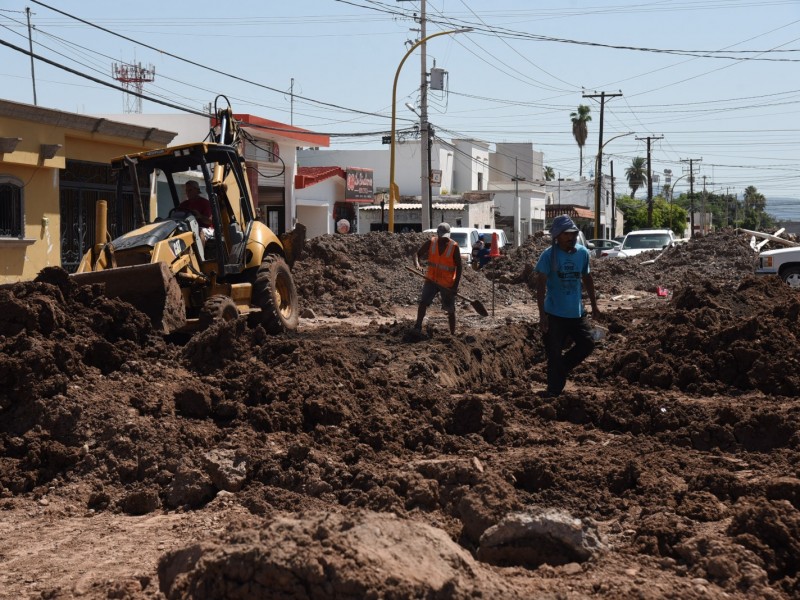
pixel 352 459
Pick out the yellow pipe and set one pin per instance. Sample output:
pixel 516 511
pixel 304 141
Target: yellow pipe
pixel 394 191
pixel 100 229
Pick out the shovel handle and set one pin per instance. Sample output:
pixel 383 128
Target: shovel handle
pixel 476 304
pixel 441 287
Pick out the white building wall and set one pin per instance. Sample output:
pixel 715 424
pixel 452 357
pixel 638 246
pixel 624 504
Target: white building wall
pixel 190 128
pixel 528 213
pixel 470 158
pixel 477 214
pixel 315 205
pixel 510 159
pixel 480 215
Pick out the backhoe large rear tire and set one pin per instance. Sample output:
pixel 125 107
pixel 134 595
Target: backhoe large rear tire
pixel 217 308
pixel 275 294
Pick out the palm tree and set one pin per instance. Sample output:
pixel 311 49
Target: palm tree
pixel 579 129
pixel 636 174
pixel 549 174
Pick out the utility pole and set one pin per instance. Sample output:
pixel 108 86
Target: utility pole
pixel 598 177
pixel 613 202
pixel 429 184
pixel 703 209
pixel 650 178
pixel 727 205
pixel 559 187
pixel 425 137
pixel 30 45
pixel 691 162
pixel 291 102
pixel 517 216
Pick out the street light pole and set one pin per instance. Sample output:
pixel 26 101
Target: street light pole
pixel 671 195
pixel 394 191
pixel 598 181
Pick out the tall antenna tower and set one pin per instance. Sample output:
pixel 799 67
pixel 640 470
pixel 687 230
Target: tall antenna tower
pixel 133 78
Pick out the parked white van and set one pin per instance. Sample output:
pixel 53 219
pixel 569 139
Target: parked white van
pixel 465 237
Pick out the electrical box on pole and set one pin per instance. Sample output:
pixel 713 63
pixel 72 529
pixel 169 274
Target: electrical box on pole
pixel 437 79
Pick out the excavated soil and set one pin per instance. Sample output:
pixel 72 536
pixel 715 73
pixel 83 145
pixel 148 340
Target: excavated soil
pixel 355 459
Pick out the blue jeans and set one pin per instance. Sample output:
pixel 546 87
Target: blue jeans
pixel 559 365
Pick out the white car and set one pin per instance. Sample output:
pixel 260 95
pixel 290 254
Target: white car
pixel 602 247
pixel 465 237
pixel 643 240
pixel 502 240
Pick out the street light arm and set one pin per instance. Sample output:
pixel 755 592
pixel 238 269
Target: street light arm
pixel 598 180
pixel 393 190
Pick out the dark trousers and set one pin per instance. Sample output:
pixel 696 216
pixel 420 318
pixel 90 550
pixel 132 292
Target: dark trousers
pixel 559 365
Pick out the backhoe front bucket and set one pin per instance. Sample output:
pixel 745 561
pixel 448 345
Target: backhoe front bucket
pixel 150 288
pixel 293 242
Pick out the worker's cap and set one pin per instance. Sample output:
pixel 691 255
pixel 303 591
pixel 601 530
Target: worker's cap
pixel 561 224
pixel 480 236
pixel 443 230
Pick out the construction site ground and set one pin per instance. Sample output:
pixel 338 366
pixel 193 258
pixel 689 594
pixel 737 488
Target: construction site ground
pixel 354 458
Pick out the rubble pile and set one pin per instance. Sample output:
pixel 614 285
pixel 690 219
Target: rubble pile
pixel 301 461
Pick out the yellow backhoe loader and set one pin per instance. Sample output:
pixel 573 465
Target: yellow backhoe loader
pixel 184 276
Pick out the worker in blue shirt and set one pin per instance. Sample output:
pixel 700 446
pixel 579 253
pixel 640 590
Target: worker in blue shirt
pixel 561 273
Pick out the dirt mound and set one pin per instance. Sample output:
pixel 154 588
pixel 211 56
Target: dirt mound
pixel 678 436
pixel 345 275
pixel 710 338
pixel 722 258
pixel 329 555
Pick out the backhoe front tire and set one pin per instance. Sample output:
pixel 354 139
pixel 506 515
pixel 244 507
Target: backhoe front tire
pixel 217 308
pixel 275 294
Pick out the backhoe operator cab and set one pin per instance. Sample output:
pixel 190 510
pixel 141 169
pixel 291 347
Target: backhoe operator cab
pixel 243 267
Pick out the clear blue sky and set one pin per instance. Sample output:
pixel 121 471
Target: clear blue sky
pixel 726 92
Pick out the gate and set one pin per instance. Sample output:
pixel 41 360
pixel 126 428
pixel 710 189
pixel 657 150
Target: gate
pixel 82 184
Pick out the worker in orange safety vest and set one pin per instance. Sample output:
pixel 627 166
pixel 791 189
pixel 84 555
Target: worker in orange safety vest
pixel 443 275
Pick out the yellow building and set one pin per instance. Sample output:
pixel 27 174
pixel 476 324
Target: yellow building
pixel 54 166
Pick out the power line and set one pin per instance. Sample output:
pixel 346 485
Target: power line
pixel 182 108
pixel 196 64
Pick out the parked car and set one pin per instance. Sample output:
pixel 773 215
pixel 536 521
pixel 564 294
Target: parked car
pixel 643 240
pixel 465 237
pixel 602 246
pixel 783 262
pixel 502 240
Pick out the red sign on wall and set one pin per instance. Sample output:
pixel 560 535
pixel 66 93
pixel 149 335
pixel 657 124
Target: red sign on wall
pixel 359 184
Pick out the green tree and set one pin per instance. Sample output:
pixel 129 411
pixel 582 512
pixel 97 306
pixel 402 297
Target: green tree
pixel 636 174
pixel 665 215
pixel 755 210
pixel 549 174
pixel 580 131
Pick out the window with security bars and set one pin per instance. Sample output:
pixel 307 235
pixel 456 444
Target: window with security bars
pixel 12 213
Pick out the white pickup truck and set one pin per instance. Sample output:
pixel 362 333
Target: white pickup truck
pixel 783 262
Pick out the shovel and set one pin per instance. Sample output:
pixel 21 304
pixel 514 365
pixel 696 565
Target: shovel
pixel 476 304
